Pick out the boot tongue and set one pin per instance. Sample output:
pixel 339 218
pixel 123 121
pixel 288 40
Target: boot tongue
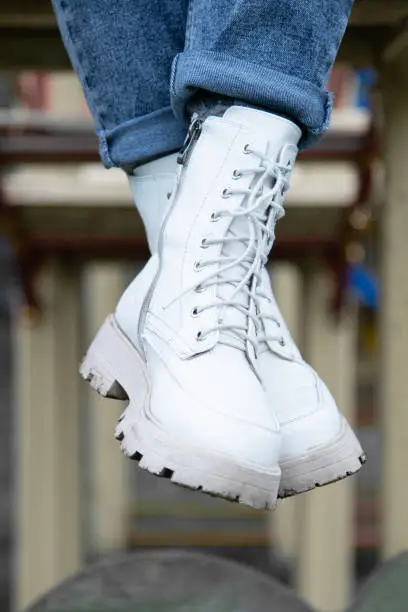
pixel 234 250
pixel 233 315
pixel 281 132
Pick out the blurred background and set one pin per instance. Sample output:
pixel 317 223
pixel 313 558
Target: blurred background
pixel 70 240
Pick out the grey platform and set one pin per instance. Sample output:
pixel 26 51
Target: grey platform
pixel 169 581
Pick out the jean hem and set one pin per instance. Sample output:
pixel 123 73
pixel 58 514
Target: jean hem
pixel 276 91
pixel 133 142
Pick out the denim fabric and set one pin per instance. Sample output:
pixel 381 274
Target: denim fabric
pixel 142 62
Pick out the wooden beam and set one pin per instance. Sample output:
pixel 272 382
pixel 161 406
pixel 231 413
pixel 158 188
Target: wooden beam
pixel 25 7
pixel 365 12
pixel 31 21
pixel 32 48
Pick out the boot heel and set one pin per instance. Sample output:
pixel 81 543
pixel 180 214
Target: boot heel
pixel 95 366
pixel 109 361
pixel 101 381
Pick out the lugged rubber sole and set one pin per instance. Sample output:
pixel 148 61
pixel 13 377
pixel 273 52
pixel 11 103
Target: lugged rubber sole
pixel 325 464
pixel 114 368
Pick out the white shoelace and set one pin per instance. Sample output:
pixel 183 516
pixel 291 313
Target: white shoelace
pixel 261 208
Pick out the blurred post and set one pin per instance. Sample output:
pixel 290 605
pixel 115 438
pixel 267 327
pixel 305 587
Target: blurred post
pixel 326 547
pixel 47 437
pixel 64 95
pixel 108 473
pixel 287 285
pixel 394 310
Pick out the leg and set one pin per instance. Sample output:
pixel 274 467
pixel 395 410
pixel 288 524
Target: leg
pixel 276 54
pixel 122 52
pixel 220 399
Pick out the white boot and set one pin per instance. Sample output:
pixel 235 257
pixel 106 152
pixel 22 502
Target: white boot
pixel 182 342
pixel 318 445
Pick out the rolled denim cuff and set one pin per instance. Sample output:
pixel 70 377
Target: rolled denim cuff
pixel 222 74
pixel 144 138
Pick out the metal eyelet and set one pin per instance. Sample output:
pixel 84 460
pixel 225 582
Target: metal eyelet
pixel 226 193
pixel 246 150
pixel 282 342
pixel 195 312
pixel 236 174
pixel 215 216
pixel 197 266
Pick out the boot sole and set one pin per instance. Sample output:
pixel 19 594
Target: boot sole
pixel 115 369
pixel 328 463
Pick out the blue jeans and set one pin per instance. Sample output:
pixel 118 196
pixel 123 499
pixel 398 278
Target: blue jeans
pixel 142 62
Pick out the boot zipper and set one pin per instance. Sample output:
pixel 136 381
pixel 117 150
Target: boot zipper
pixel 192 137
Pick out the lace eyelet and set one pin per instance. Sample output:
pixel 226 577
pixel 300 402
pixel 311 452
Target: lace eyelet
pixel 260 191
pixel 197 266
pixel 226 193
pixel 199 289
pixel 199 336
pixel 169 195
pixel 204 243
pixel 282 342
pixel 215 216
pixel 246 150
pixel 236 174
pixel 195 312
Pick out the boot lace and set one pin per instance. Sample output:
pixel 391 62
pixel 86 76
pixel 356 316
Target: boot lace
pixel 261 207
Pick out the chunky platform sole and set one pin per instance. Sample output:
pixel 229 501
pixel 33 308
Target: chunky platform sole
pixel 325 464
pixel 114 368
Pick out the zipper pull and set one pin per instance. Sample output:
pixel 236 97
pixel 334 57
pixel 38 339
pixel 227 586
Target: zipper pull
pixel 192 137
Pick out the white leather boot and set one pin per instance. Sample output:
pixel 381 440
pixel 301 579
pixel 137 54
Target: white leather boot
pixel 182 343
pixel 318 445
